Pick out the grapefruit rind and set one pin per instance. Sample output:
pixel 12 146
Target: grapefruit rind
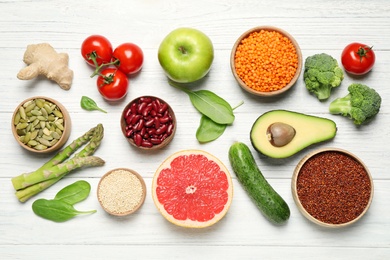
pixel 188 222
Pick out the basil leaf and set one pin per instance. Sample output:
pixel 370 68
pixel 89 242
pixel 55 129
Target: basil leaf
pixel 208 130
pixel 74 193
pixel 89 104
pixel 56 210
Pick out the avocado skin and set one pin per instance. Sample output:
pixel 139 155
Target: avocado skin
pixel 309 130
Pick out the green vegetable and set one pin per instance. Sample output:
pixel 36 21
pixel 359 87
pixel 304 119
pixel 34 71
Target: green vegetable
pixel 361 104
pixel 89 104
pixel 74 193
pixel 322 73
pixel 270 203
pixel 209 130
pixel 56 210
pixel 210 105
pixel 30 184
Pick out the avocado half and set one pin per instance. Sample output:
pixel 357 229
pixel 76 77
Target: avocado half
pixel 308 130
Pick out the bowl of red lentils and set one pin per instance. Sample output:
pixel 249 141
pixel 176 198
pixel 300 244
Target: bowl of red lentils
pixel 332 187
pixel 148 123
pixel 266 61
pixel 121 191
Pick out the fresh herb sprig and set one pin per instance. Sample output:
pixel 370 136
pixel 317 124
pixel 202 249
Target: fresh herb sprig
pixel 89 104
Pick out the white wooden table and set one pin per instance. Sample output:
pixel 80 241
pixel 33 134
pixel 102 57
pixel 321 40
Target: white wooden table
pixel 317 25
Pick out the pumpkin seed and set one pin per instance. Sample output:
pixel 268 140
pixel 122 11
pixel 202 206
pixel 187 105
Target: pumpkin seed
pixel 22 112
pixel 39 124
pixel 57 113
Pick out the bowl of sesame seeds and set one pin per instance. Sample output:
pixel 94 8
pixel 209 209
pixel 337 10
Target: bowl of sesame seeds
pixel 266 61
pixel 332 187
pixel 121 191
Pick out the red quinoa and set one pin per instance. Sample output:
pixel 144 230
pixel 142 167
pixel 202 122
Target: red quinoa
pixel 333 187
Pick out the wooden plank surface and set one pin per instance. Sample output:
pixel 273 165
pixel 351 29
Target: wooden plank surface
pixel 318 26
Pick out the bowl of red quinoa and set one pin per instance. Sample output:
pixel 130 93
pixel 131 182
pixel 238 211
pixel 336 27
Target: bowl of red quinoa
pixel 148 123
pixel 121 191
pixel 332 187
pixel 266 61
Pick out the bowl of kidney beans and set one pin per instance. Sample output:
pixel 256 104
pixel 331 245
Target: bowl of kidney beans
pixel 148 122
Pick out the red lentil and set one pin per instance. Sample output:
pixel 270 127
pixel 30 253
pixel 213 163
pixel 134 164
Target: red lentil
pixel 266 61
pixel 333 187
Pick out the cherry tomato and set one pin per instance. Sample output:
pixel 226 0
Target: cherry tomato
pixel 112 84
pixel 357 58
pixel 130 58
pixel 96 47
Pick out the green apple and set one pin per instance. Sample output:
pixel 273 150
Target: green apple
pixel 186 55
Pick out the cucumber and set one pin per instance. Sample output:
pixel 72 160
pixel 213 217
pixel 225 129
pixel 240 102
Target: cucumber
pixel 270 203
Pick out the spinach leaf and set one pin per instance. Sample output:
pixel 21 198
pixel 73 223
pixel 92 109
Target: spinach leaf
pixel 208 130
pixel 210 105
pixel 89 104
pixel 74 193
pixel 56 210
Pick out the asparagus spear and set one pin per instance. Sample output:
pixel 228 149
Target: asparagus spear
pixel 54 170
pixel 59 171
pixel 94 135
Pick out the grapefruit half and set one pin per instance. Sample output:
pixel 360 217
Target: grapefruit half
pixel 192 188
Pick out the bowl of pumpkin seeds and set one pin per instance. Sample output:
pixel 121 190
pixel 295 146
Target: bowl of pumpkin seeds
pixel 41 124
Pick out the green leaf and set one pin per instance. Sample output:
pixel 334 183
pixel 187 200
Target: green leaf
pixel 208 130
pixel 89 104
pixel 74 193
pixel 210 105
pixel 56 210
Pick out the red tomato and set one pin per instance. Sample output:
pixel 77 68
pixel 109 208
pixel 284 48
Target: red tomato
pixel 96 47
pixel 357 58
pixel 130 58
pixel 112 84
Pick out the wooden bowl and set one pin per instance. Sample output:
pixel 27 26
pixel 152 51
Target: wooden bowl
pixel 55 136
pixel 121 191
pixel 341 183
pixel 148 123
pixel 241 81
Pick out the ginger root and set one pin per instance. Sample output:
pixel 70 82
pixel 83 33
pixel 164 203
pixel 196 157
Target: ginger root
pixel 42 59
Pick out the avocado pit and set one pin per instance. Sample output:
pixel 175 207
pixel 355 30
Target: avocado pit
pixel 280 134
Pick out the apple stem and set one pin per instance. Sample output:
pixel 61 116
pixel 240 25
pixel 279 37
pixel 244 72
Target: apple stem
pixel 182 50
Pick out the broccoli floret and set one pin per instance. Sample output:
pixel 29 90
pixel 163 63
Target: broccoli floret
pixel 361 103
pixel 322 73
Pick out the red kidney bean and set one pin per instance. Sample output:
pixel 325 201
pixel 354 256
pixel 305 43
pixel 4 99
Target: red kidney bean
pixel 138 139
pixel 147 110
pixel 163 108
pixel 135 119
pixel 140 125
pixel 148 122
pixel 155 141
pixel 133 108
pixel 146 143
pixel 164 119
pixel 162 129
pixel 156 122
pixel 170 129
pixel 129 132
pixel 141 107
